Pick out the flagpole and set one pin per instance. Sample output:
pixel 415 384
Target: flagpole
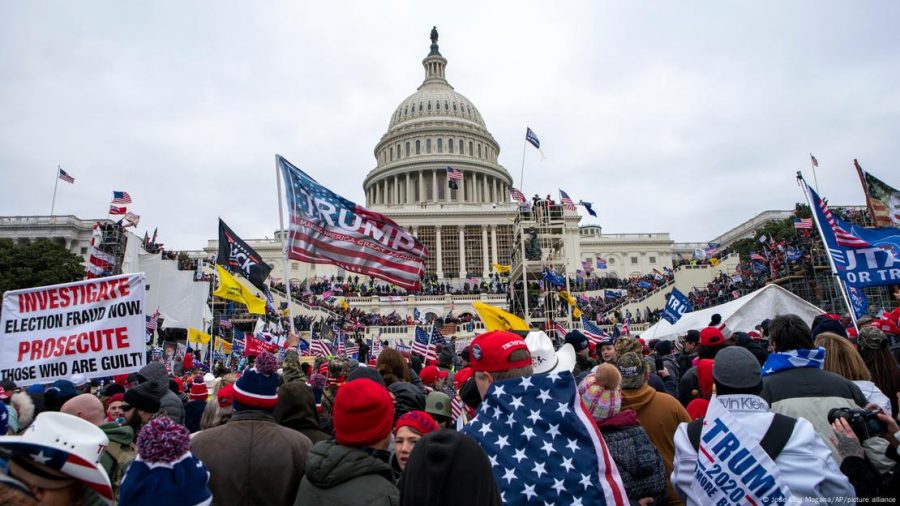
pixel 813 165
pixel 839 285
pixel 55 185
pixel 522 171
pixel 284 261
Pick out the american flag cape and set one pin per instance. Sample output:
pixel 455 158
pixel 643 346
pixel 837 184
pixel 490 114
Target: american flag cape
pixel 326 228
pixel 543 444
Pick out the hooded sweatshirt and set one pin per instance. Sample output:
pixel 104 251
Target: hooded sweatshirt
pixel 660 415
pixel 344 476
pixel 296 409
pixel 639 463
pixel 439 464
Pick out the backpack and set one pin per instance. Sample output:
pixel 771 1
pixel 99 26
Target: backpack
pixel 116 460
pixel 774 440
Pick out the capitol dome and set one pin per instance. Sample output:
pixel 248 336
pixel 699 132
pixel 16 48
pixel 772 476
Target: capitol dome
pixel 433 129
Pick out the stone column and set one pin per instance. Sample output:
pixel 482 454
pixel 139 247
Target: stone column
pixel 484 251
pixel 434 193
pixel 485 194
pixel 422 186
pixel 409 197
pixel 462 251
pixel 494 244
pixel 494 190
pixel 396 189
pixel 438 258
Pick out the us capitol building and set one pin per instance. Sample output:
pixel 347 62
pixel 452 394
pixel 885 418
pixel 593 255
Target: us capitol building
pixel 464 229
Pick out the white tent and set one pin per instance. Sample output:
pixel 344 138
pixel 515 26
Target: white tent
pixel 740 314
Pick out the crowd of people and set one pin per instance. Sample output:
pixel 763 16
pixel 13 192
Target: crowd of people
pixel 808 405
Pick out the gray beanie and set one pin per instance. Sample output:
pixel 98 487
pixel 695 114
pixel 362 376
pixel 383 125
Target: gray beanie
pixel 736 367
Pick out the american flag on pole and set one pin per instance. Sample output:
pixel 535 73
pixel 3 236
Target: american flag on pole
pixel 626 328
pixel 117 210
pixel 326 228
pixel 517 195
pixel 803 223
pixel 120 198
pixel 594 333
pixel 454 174
pixel 543 444
pixel 319 348
pixel 560 330
pixel 841 236
pixel 566 201
pixel 423 345
pixel 65 175
pixel 813 160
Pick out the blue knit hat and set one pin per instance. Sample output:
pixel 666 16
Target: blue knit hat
pixel 257 388
pixel 165 467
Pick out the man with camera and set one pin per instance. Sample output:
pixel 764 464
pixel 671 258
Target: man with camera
pixel 794 382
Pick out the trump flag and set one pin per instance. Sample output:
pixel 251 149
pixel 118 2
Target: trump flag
pixel 326 228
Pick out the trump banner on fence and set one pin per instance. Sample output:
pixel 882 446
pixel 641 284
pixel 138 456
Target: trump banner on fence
pixel 94 327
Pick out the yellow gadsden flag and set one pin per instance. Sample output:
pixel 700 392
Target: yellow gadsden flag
pixel 501 269
pixel 576 312
pixel 497 319
pixel 198 336
pixel 222 346
pixel 232 289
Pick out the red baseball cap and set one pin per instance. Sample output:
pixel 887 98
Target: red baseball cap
pixel 461 376
pixel 431 373
pixel 711 336
pixel 491 351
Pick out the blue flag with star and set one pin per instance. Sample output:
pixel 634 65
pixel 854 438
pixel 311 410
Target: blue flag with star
pixel 543 444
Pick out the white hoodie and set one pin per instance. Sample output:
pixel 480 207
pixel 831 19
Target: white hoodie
pixel 806 464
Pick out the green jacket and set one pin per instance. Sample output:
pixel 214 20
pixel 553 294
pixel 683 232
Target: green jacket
pixel 115 459
pixel 339 475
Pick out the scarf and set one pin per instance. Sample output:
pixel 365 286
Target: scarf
pixel 794 359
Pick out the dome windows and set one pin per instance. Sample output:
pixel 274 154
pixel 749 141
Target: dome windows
pixel 407 148
pixel 450 144
pixel 418 147
pixel 440 145
pixel 428 145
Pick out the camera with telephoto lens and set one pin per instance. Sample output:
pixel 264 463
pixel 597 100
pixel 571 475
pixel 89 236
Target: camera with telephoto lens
pixel 865 423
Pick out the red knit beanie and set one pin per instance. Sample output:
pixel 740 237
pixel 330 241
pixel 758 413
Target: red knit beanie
pixel 199 392
pixel 363 413
pixel 419 421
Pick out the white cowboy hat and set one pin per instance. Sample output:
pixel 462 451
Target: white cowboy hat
pixel 544 359
pixel 68 444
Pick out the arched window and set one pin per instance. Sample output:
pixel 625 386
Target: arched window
pixel 398 151
pixel 407 148
pixel 420 106
pixel 454 106
pixel 428 145
pixel 418 147
pixel 429 106
pixel 392 153
pixel 471 150
pixel 446 105
pixel 461 148
pixel 450 145
pixel 479 151
pixel 440 145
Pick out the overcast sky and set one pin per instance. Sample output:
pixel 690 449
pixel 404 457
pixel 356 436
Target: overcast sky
pixel 680 117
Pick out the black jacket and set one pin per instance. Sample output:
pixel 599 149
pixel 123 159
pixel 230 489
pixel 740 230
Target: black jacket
pixel 339 475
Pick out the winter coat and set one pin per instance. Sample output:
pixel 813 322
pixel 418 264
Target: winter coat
pixel 806 465
pixel 687 385
pixel 193 412
pixel 639 463
pixel 660 415
pixel 296 409
pixel 407 397
pixel 170 403
pixel 807 392
pixel 339 475
pixel 582 365
pixel 119 453
pixel 252 460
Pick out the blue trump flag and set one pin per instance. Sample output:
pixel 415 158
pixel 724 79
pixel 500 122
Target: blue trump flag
pixel 676 306
pixel 543 444
pixel 588 208
pixel 862 256
pixel 859 301
pixel 532 138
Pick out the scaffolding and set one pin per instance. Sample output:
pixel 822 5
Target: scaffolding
pixel 110 239
pixel 539 246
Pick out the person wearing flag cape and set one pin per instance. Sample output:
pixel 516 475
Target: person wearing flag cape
pixel 742 453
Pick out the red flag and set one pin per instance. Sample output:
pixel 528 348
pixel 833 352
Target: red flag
pixel 254 346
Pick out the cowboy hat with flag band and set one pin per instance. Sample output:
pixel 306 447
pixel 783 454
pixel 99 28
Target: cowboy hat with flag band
pixel 544 359
pixel 67 444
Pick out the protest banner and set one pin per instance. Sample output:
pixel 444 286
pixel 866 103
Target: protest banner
pixel 94 327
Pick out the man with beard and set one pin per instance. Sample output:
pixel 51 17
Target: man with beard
pixel 142 404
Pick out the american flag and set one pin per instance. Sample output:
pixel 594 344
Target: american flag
pixel 376 346
pixel 319 348
pixel 757 257
pixel 117 210
pixel 326 228
pixel 65 176
pixel 517 195
pixel 423 344
pixel 812 159
pixel 566 201
pixel 225 323
pixel 803 223
pixel 152 323
pixel 841 236
pixel 456 407
pixel 416 314
pixel 560 330
pixel 121 198
pixel 626 328
pixel 454 174
pixel 542 443
pixel 594 333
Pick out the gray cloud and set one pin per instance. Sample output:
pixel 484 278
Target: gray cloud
pixel 687 118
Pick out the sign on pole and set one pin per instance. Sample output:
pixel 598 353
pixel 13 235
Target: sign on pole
pixel 94 327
